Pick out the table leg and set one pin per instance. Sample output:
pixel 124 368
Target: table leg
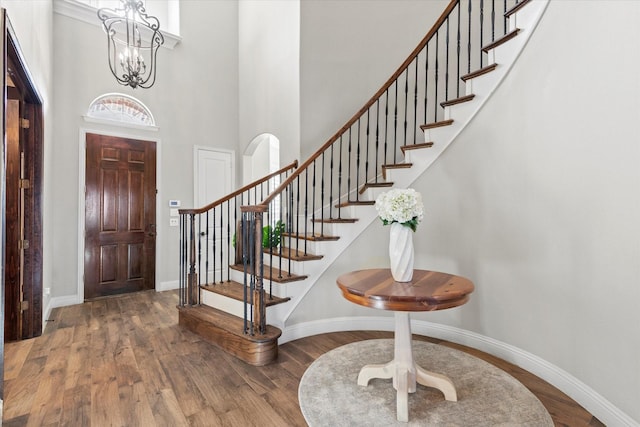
pixel 404 371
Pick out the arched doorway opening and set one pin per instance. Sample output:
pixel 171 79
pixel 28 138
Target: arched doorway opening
pixel 261 157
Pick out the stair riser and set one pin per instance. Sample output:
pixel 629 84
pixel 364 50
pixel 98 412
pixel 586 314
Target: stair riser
pixel 295 267
pixel 226 304
pixel 278 289
pixel 373 193
pixel 353 211
pixel 314 247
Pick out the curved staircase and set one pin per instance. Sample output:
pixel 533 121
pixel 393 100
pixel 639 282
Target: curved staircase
pixel 327 202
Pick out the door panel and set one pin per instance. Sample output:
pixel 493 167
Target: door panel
pixel 214 180
pixel 119 216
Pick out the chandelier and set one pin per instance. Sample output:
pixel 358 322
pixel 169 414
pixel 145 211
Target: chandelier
pixel 133 40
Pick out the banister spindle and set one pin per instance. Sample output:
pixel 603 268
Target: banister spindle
pixel 458 54
pixel 469 39
pixel 192 280
pixel 435 95
pixel 386 123
pixel 406 103
pixel 229 239
pixel 313 201
pixel 199 240
pixel 415 103
pixel 446 67
pixel 426 82
pixel 366 163
pixel 206 250
pixel 481 31
pixel 340 175
pixel 493 20
pixel 358 159
pixel 182 260
pixel 377 137
pixel 395 124
pixel 349 166
pixel 504 17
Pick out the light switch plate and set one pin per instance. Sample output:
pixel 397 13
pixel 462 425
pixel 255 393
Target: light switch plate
pixel 173 222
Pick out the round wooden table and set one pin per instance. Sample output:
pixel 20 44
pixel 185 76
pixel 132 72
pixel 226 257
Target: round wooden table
pixel 427 291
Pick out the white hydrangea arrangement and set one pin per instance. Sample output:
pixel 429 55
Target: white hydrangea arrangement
pixel 402 206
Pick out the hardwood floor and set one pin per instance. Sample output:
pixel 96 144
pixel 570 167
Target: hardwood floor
pixel 125 361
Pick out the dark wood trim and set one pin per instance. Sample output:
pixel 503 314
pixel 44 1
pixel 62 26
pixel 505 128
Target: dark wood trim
pixel 516 8
pixel 375 185
pixel 32 144
pixel 225 331
pixel 405 148
pixel 356 203
pixel 460 100
pixel 501 40
pixel 239 191
pixel 396 166
pixel 479 72
pixel 439 124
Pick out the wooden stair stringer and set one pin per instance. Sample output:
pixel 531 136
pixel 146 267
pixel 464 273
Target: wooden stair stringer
pixel 461 114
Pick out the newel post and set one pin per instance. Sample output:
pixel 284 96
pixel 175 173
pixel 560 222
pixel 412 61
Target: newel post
pixel 192 276
pixel 252 217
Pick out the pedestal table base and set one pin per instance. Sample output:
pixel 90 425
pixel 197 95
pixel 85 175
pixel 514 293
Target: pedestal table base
pixel 404 371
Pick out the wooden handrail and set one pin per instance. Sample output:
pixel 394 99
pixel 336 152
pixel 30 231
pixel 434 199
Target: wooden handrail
pixel 434 29
pixel 239 191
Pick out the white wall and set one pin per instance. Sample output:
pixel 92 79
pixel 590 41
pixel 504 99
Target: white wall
pixel 537 202
pixel 348 49
pixel 194 101
pixel 269 34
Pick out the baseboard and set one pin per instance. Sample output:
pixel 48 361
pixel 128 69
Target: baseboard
pixel 593 402
pixel 167 286
pixel 56 302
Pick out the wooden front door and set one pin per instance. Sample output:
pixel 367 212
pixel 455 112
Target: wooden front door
pixel 120 215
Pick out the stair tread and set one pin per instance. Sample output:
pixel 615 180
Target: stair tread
pixel 312 237
pixel 394 166
pixel 356 203
pixel 516 8
pixel 235 290
pixel 415 147
pixel 437 124
pixel 336 220
pixel 234 325
pixel 398 165
pixel 292 254
pixel 375 185
pixel 501 40
pixel 274 274
pixel 479 72
pixel 455 101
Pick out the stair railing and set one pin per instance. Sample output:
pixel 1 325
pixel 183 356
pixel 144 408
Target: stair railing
pixel 354 158
pixel 209 241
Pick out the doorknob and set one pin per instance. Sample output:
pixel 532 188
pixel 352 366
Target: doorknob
pixel 152 230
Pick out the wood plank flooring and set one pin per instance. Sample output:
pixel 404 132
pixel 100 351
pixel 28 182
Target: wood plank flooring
pixel 124 361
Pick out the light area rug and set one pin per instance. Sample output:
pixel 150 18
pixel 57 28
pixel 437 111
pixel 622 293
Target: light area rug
pixel 487 396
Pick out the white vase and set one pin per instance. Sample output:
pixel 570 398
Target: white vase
pixel 401 252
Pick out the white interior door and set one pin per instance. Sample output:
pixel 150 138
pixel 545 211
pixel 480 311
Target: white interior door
pixel 214 179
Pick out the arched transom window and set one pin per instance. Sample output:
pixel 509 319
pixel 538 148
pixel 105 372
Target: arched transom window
pixel 121 108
